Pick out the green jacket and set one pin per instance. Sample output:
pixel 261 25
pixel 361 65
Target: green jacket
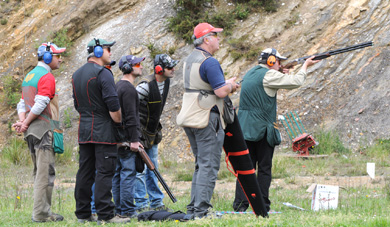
pixel 257 112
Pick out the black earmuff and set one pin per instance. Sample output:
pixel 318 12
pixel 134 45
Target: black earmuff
pixel 47 56
pixel 126 66
pixel 97 49
pixel 271 60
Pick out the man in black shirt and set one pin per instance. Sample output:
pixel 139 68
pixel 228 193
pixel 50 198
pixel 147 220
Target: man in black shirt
pixel 153 92
pixel 96 100
pixel 124 178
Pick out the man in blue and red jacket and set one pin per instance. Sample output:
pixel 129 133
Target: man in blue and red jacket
pixel 38 112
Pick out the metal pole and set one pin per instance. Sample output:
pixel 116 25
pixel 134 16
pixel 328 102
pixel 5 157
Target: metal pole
pixel 292 123
pixel 296 122
pixel 300 121
pixel 286 130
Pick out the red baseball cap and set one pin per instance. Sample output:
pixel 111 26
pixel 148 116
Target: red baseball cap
pixel 205 28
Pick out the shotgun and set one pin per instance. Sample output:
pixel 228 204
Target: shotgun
pixel 150 165
pixel 325 54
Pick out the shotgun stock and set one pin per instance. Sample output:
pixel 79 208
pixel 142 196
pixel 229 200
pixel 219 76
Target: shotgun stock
pixel 150 165
pixel 325 54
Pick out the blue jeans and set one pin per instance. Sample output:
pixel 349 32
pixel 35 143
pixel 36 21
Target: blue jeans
pixel 123 183
pixel 146 182
pixel 93 208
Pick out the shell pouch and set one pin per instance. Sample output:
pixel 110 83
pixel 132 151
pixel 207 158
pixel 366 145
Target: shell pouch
pixel 58 141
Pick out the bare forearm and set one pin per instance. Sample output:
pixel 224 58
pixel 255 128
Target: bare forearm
pixel 116 116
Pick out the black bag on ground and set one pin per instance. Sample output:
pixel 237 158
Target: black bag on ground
pixel 161 215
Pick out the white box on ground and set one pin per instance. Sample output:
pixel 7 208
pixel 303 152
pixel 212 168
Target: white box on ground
pixel 371 169
pixel 324 196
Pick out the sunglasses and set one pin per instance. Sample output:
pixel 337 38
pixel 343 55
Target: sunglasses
pixel 57 55
pixel 169 68
pixel 137 65
pixel 107 48
pixel 213 35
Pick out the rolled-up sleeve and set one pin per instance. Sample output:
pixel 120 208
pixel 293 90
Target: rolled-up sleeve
pixel 277 80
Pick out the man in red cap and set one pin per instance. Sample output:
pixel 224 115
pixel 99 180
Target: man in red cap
pixel 38 112
pixel 201 115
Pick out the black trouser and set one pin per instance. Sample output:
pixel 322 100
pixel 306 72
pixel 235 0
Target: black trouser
pixel 261 154
pixel 102 158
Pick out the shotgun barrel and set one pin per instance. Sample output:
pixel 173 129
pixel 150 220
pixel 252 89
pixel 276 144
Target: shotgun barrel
pixel 150 165
pixel 327 54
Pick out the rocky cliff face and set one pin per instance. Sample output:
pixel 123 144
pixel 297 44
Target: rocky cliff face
pixel 346 92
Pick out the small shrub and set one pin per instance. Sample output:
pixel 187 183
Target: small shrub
pixel 12 92
pixel 67 157
pixel 380 151
pixel 16 152
pixel 61 39
pixel 241 47
pixel 68 118
pixel 29 12
pixel 292 20
pixel 280 167
pixel 329 142
pixel 241 12
pixel 172 50
pixel 3 21
pixel 183 176
pixel 153 50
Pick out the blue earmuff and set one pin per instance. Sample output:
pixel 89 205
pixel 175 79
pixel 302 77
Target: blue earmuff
pixel 98 49
pixel 47 56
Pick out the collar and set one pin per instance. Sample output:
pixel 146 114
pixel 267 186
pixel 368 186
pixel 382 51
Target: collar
pixel 44 65
pixel 264 66
pixel 199 48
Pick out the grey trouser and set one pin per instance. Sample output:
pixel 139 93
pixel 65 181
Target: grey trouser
pixel 206 144
pixel 43 158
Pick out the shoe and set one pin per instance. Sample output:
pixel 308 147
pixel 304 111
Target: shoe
pixel 94 217
pixel 143 209
pixel 52 217
pixel 210 215
pixel 163 207
pixel 241 209
pixel 129 215
pixel 115 219
pixel 187 217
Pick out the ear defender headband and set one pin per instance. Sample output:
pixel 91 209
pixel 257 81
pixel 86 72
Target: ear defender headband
pixel 47 56
pixel 126 67
pixel 97 49
pixel 158 69
pixel 271 60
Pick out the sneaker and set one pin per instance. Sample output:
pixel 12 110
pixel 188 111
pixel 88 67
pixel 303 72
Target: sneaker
pixel 143 209
pixel 115 219
pixel 210 215
pixel 94 217
pixel 129 215
pixel 188 217
pixel 240 209
pixel 52 217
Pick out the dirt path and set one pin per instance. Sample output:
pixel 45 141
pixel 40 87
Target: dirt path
pixel 228 187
